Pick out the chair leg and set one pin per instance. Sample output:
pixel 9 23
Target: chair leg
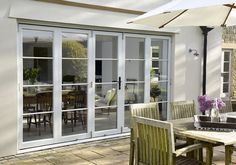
pixel 132 146
pixel 131 157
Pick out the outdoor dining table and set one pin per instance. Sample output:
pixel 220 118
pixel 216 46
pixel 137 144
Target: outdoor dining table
pixel 185 128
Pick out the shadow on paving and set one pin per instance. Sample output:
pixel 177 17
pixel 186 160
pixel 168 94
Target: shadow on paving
pixel 104 152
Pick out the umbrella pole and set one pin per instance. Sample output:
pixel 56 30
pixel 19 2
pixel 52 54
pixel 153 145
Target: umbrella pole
pixel 205 31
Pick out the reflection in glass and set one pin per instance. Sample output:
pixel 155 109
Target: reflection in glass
pixel 134 93
pixel 37 99
pixel 225 88
pixel 106 46
pixel 158 91
pixel 74 97
pixel 105 118
pixel 163 110
pixel 160 72
pixel 134 70
pixel 106 95
pixel 74 122
pixel 74 45
pixel 159 48
pixel 127 116
pixel 36 72
pixel 225 77
pixel 226 67
pixel 37 126
pixel 106 71
pixel 226 56
pixel 37 43
pixel 74 71
pixel 135 48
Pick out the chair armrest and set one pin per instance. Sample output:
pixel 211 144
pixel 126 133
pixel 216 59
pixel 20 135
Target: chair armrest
pixel 188 149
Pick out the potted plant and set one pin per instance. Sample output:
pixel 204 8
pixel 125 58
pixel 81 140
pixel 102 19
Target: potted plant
pixel 31 74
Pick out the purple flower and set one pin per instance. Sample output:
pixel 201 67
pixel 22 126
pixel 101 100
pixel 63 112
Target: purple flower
pixel 220 103
pixel 206 103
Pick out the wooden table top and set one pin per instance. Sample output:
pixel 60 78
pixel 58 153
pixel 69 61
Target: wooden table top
pixel 185 127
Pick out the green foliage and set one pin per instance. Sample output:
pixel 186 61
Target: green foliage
pixel 74 49
pixel 31 74
pixel 155 90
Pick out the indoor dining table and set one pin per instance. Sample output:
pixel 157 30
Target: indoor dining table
pixel 185 128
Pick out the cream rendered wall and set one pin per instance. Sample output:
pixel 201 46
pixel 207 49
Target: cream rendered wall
pixel 214 62
pixel 187 69
pixel 8 83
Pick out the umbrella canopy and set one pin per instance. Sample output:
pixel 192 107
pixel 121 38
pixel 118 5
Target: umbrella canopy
pixel 179 13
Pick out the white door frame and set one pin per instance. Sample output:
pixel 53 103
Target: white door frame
pixel 57 109
pixel 119 92
pixel 57 65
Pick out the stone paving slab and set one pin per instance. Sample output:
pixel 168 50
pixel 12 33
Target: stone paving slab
pixel 105 152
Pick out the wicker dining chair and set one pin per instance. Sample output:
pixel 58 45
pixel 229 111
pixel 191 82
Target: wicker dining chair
pixel 154 141
pixel 148 110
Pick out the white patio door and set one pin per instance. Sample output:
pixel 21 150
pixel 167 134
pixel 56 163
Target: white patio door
pixel 78 84
pixel 108 83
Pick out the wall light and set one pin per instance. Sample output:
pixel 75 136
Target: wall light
pixel 195 53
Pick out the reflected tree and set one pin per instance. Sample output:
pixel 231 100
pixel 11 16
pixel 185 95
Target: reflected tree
pixel 75 49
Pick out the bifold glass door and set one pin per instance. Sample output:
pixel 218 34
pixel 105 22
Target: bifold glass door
pixel 79 84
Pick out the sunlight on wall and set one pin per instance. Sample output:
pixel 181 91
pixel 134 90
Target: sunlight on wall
pixel 187 69
pixel 214 62
pixel 8 87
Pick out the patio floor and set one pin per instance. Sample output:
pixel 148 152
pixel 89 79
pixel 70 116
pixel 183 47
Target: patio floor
pixel 105 152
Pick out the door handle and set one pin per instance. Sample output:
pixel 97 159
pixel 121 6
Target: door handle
pixel 119 83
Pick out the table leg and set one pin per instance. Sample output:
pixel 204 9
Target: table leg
pixel 209 153
pixel 228 154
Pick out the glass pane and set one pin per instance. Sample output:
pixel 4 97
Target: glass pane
pixel 74 45
pixel 106 95
pixel 74 122
pixel 74 97
pixel 159 48
pixel 106 71
pixel 158 91
pixel 163 110
pixel 74 71
pixel 134 93
pixel 37 43
pixel 127 116
pixel 134 70
pixel 36 127
pixel 105 118
pixel 134 48
pixel 225 88
pixel 226 56
pixel 37 99
pixel 37 72
pixel 225 77
pixel 106 46
pixel 155 64
pixel 156 52
pixel 226 67
pixel 162 71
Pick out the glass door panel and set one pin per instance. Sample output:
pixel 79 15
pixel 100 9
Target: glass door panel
pixel 106 76
pixel 159 75
pixel 74 83
pixel 37 85
pixel 134 74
